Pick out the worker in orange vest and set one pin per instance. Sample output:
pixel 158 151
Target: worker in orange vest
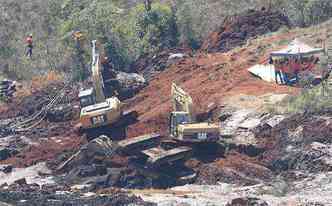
pixel 29 43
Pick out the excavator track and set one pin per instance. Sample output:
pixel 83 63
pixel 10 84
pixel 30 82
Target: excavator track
pixel 135 145
pixel 148 147
pixel 158 156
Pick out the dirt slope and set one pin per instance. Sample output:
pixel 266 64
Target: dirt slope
pixel 208 78
pixel 237 29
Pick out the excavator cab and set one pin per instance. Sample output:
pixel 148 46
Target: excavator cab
pixel 176 119
pixel 87 97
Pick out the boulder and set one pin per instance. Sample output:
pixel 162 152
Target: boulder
pixel 21 181
pixel 6 168
pixel 247 201
pixel 174 58
pixel 129 84
pixel 96 150
pixel 6 152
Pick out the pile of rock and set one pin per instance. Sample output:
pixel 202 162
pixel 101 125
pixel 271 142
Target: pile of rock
pixel 7 88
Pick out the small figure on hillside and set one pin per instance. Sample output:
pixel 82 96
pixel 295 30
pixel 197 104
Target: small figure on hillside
pixel 278 72
pixel 29 43
pixel 148 5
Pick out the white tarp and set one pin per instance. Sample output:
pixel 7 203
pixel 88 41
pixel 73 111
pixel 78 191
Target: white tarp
pixel 297 48
pixel 265 72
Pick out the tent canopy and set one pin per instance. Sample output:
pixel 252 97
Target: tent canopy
pixel 297 48
pixel 265 72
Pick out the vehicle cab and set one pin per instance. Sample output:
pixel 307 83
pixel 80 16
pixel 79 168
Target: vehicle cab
pixel 86 97
pixel 176 119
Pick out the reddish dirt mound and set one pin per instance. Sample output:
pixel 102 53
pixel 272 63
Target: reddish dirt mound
pixel 237 29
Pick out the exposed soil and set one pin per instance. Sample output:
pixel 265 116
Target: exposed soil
pixel 236 30
pixel 208 78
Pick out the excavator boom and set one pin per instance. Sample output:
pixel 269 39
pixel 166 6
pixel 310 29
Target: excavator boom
pixel 182 102
pixel 97 79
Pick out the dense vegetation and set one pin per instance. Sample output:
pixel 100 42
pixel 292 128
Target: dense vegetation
pixel 124 28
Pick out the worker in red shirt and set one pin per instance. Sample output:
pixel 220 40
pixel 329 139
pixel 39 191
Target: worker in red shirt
pixel 29 43
pixel 277 71
pixel 284 69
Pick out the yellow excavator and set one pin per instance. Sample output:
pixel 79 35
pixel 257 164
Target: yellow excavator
pixel 96 110
pixel 165 157
pixel 184 133
pixel 182 121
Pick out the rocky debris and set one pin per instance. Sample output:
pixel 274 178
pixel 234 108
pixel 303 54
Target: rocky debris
pixel 7 152
pixel 123 85
pixel 21 181
pixel 37 174
pixel 236 30
pixel 7 88
pixel 37 100
pixel 150 64
pixel 300 143
pixel 315 158
pixel 95 150
pixel 234 169
pixel 5 126
pixel 93 166
pixel 240 126
pixel 60 113
pixel 247 201
pixel 213 174
pixel 313 190
pixel 127 178
pixel 6 168
pixel 32 195
pixel 129 84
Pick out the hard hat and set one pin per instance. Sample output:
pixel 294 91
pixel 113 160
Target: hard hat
pixel 30 35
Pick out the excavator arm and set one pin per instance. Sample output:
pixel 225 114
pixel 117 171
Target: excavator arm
pixel 97 79
pixel 182 102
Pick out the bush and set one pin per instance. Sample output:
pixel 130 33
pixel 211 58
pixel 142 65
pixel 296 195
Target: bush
pixel 315 100
pixel 304 12
pixel 124 34
pixel 142 31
